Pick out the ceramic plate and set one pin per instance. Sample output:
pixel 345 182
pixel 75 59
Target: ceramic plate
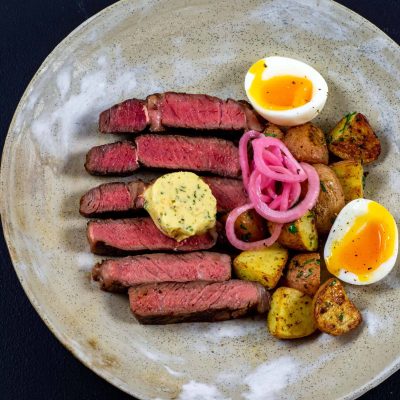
pixel 135 48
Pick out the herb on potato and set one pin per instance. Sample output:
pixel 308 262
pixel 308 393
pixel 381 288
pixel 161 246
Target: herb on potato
pixel 304 273
pixel 334 312
pixel 353 139
pixel 292 228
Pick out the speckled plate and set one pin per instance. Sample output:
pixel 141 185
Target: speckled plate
pixel 134 48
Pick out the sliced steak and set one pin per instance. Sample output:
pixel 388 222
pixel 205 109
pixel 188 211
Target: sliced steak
pixel 217 156
pixel 124 236
pixel 179 110
pixel 119 274
pixel 128 116
pixel 110 198
pixel 118 158
pixel 153 104
pixel 253 120
pixel 199 111
pixel 164 303
pixel 229 193
pixel 122 198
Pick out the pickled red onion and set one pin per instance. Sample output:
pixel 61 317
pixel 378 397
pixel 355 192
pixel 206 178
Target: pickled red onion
pixel 295 194
pixel 272 181
pixel 289 215
pixel 243 156
pixel 283 174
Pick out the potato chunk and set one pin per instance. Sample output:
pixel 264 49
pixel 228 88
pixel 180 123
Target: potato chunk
pixel 353 138
pixel 263 265
pixel 250 226
pixel 334 312
pixel 304 273
pixel 274 131
pixel 351 177
pixel 291 314
pixel 330 200
pixel 307 143
pixel 300 234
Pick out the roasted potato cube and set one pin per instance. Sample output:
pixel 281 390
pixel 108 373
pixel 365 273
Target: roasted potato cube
pixel 300 234
pixel 304 273
pixel 353 138
pixel 307 143
pixel 274 131
pixel 291 314
pixel 250 226
pixel 330 200
pixel 351 177
pixel 263 265
pixel 334 312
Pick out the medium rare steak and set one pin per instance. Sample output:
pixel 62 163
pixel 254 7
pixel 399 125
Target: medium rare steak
pixel 131 235
pixel 128 116
pixel 118 158
pixel 164 303
pixel 110 198
pixel 119 274
pixel 197 111
pixel 229 193
pixel 179 110
pixel 217 156
pixel 254 121
pixel 120 197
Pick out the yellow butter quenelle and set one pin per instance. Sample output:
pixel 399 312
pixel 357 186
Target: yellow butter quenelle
pixel 181 204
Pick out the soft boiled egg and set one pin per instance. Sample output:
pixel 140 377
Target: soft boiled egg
pixel 285 91
pixel 362 245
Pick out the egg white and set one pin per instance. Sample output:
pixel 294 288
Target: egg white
pixel 343 223
pixel 278 66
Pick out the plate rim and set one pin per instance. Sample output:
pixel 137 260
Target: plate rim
pixel 68 343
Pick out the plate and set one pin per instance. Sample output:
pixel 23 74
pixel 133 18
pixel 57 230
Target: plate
pixel 134 48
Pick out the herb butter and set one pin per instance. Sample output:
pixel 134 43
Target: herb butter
pixel 181 204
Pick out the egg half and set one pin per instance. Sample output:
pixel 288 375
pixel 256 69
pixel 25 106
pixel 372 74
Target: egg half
pixel 285 91
pixel 362 245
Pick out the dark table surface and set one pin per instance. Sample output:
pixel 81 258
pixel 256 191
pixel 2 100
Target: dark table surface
pixel 33 364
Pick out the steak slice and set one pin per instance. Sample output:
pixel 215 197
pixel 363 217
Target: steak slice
pixel 115 197
pixel 153 104
pixel 173 152
pixel 128 116
pixel 254 121
pixel 180 110
pixel 229 193
pixel 119 274
pixel 118 158
pixel 165 303
pixel 199 111
pixel 131 235
pixel 121 198
pixel 218 156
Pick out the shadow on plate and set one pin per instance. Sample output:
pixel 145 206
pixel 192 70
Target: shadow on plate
pixel 75 239
pixel 118 307
pixel 70 206
pixel 74 166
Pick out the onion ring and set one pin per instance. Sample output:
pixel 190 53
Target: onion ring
pixel 272 181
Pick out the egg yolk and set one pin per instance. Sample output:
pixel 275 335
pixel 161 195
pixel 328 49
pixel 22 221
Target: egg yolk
pixel 368 244
pixel 279 92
